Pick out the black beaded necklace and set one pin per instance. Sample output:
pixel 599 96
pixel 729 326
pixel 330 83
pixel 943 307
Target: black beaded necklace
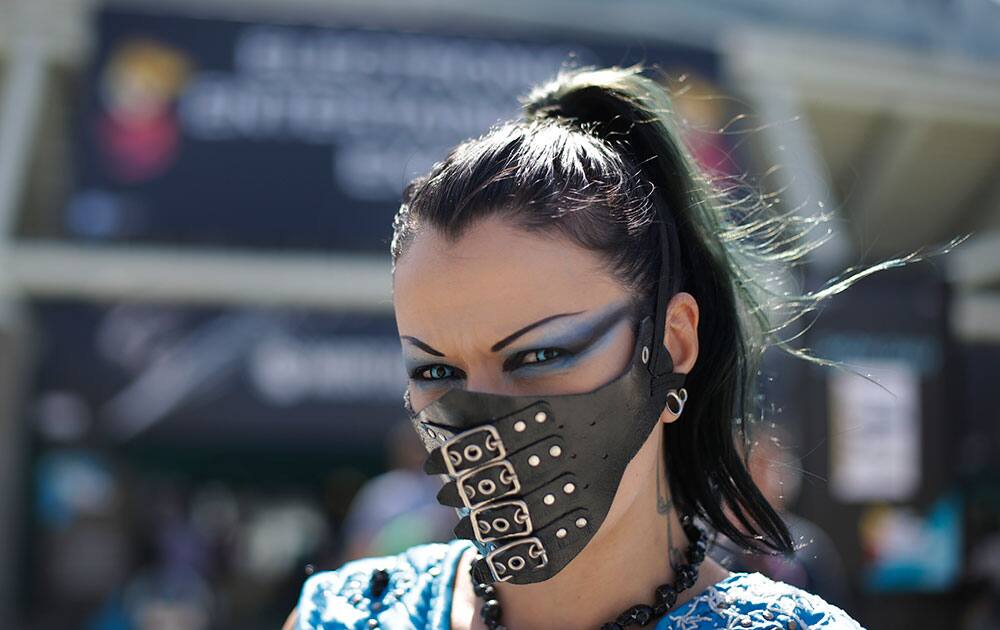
pixel 665 595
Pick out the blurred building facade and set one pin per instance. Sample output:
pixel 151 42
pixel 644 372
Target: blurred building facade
pixel 198 361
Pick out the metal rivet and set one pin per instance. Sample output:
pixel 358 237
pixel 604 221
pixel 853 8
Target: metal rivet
pixel 516 563
pixel 768 615
pixel 745 622
pixel 561 533
pixel 569 488
pixel 645 354
pixel 534 460
pixel 486 486
pixel 373 623
pixel 472 452
pixel 501 525
pixel 520 426
pixel 549 499
pixel 581 522
pixel 555 451
pixel 431 433
pixel 541 416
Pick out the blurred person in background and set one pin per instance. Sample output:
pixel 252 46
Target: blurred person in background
pixel 581 317
pixel 983 612
pixel 815 565
pixel 168 589
pixel 397 509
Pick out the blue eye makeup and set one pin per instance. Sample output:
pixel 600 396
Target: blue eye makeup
pixel 558 350
pixel 562 349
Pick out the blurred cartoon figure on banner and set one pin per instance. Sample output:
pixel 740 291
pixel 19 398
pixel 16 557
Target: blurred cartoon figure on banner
pixel 138 132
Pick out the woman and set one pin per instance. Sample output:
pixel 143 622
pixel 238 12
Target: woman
pixel 580 318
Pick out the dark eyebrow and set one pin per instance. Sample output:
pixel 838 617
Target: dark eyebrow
pixel 423 346
pixel 509 339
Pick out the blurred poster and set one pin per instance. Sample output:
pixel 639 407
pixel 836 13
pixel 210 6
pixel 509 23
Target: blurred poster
pixel 276 135
pixel 220 378
pixel 875 432
pixel 907 551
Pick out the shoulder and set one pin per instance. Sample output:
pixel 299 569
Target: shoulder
pixel 751 600
pixel 409 590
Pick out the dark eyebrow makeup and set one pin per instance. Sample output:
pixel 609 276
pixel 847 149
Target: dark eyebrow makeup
pixel 610 317
pixel 423 346
pixel 585 334
pixel 500 345
pixel 511 338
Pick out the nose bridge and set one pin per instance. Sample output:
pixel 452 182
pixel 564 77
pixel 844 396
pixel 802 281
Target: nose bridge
pixel 487 379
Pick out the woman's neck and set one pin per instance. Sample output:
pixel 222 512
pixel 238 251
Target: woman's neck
pixel 620 567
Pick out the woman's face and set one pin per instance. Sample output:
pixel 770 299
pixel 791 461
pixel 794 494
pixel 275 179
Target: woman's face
pixel 505 311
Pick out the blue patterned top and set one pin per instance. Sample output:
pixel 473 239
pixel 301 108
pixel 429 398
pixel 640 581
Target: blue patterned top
pixel 421 579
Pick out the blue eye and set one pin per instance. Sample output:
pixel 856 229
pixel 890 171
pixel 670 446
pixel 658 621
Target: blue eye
pixel 437 372
pixel 541 356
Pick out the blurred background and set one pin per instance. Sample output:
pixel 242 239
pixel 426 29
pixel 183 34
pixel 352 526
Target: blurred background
pixel 200 381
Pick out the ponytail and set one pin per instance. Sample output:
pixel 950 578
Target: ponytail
pixel 706 473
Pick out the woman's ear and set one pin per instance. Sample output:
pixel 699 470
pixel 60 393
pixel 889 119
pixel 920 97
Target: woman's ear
pixel 681 337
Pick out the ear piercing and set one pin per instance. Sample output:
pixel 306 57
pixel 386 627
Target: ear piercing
pixel 676 399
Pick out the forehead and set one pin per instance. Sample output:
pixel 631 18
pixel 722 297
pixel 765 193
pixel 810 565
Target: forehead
pixel 494 278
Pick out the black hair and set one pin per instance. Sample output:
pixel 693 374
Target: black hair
pixel 597 157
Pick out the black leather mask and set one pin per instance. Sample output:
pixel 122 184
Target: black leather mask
pixel 534 476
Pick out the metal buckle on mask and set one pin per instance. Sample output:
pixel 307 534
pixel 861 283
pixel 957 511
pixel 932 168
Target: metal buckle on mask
pixel 504 569
pixel 492 518
pixel 486 485
pixel 456 455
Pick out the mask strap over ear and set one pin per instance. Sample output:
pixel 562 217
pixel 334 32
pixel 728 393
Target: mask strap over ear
pixel 661 365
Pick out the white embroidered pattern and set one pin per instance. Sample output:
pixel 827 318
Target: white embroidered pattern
pixel 752 601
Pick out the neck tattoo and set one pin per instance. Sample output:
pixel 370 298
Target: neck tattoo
pixel 664 596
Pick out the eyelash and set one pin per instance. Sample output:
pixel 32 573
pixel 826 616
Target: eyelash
pixel 422 372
